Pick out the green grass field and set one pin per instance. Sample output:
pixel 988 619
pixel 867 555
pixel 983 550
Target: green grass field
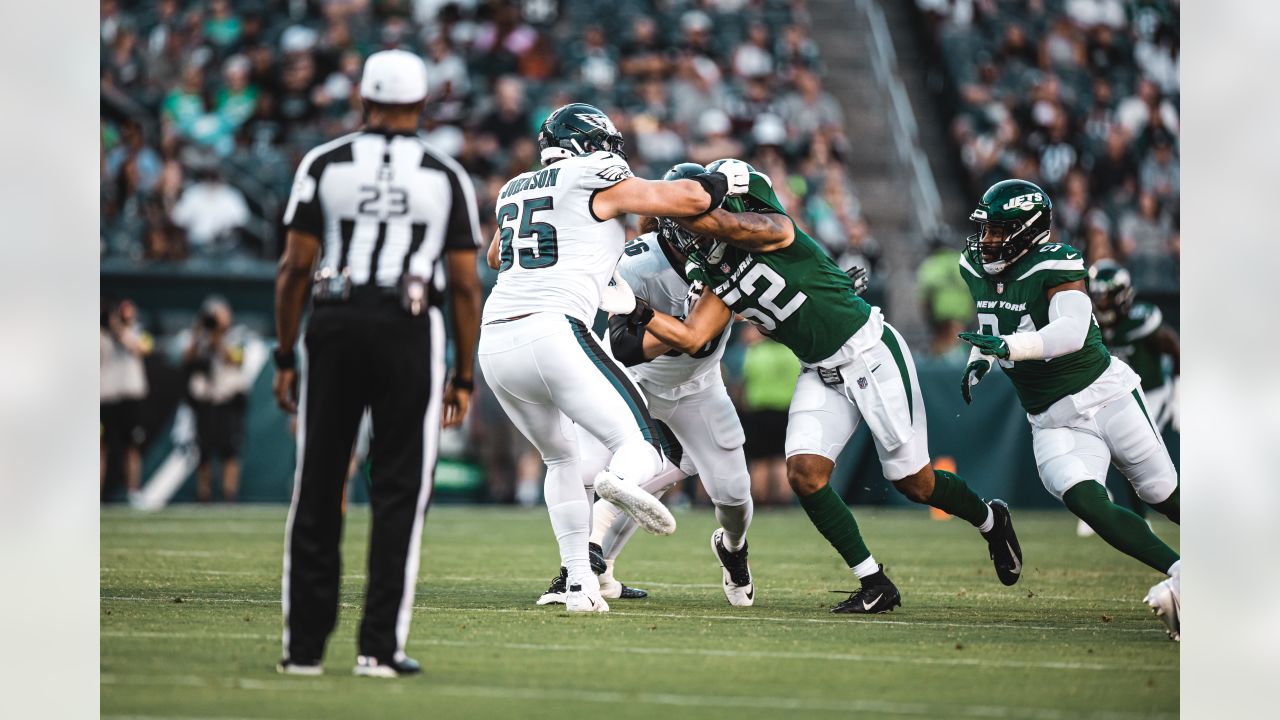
pixel 190 620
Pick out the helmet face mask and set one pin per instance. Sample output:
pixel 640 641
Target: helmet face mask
pixel 1012 216
pixel 685 241
pixel 577 129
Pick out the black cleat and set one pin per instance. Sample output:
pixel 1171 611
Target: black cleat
pixel 878 594
pixel 556 591
pixel 1002 544
pixel 368 666
pixel 595 554
pixel 630 593
pixel 739 589
pixel 288 666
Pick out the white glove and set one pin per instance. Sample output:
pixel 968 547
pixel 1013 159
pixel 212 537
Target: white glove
pixel 738 174
pixel 617 297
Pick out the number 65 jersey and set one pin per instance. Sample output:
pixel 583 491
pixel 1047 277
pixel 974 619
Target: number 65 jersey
pixel 555 255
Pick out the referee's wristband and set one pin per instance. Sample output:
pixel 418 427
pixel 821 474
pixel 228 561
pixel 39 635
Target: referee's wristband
pixel 467 384
pixel 285 359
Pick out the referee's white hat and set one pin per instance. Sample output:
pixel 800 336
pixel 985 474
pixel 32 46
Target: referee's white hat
pixel 394 77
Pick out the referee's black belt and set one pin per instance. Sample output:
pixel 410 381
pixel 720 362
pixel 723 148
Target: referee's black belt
pixel 374 296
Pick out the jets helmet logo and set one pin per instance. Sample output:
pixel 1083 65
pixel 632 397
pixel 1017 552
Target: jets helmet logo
pixel 598 121
pixel 1024 202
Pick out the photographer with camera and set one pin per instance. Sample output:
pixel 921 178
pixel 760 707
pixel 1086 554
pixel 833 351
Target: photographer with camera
pixel 123 345
pixel 218 388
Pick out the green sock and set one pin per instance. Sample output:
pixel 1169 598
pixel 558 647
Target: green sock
pixel 833 519
pixel 1135 503
pixel 1123 530
pixel 1169 507
pixel 953 496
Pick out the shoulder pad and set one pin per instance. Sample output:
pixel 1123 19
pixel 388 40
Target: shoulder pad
pixel 1144 320
pixel 1062 261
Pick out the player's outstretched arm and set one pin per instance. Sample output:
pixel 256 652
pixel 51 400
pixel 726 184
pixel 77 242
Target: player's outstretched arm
pixel 676 198
pixel 1169 344
pixel 1070 312
pixel 705 323
pixel 750 231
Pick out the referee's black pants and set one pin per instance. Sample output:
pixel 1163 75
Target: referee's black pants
pixel 367 352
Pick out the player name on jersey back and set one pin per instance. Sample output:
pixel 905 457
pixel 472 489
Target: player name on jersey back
pixel 554 254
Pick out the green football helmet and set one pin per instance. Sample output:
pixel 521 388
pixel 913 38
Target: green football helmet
pixel 577 129
pixel 1012 216
pixel 668 231
pixel 1111 288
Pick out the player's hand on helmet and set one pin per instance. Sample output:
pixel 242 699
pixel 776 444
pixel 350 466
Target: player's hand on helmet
pixel 617 297
pixel 738 175
pixel 973 374
pixel 860 277
pixel 992 345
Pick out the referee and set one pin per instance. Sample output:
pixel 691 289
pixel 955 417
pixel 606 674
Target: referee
pixel 385 217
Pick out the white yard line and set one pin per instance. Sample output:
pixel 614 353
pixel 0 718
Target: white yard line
pixel 684 616
pixel 874 707
pixel 697 652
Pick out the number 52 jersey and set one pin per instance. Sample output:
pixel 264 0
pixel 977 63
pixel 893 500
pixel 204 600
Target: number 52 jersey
pixel 555 255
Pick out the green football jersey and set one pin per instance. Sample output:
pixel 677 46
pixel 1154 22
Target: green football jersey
pixel 796 295
pixel 1133 340
pixel 1014 301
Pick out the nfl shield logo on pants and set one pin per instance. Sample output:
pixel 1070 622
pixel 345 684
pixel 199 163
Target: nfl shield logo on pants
pixel 862 383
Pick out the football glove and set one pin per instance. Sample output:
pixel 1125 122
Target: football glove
pixel 617 297
pixel 993 345
pixel 973 374
pixel 738 174
pixel 860 277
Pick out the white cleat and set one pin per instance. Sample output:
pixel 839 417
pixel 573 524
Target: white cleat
pixel 1083 530
pixel 578 600
pixel 647 510
pixel 1163 599
pixel 739 588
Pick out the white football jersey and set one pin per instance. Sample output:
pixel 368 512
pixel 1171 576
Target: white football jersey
pixel 658 276
pixel 555 255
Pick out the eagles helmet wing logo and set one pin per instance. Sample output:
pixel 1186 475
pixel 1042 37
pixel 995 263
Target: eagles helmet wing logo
pixel 599 121
pixel 615 173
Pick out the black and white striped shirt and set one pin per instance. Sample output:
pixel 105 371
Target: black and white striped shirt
pixel 383 205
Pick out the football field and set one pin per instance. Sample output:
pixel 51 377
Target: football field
pixel 190 625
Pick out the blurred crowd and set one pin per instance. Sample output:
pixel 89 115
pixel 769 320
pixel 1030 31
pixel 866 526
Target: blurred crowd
pixel 209 104
pixel 1082 97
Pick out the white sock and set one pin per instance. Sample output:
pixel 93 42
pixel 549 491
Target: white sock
pixel 570 514
pixel 989 523
pixel 735 519
pixel 866 567
pixel 604 515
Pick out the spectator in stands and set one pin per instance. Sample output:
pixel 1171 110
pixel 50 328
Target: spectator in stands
pixel 123 345
pixel 948 306
pixel 1160 169
pixel 809 108
pixel 769 373
pixel 133 165
pixel 210 211
pixel 714 139
pixel 645 54
pixel 508 121
pixel 218 387
pixel 1146 232
pixel 753 59
pixel 237 99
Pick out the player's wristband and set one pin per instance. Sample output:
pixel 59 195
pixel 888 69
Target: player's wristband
pixel 468 384
pixel 716 185
pixel 285 359
pixel 641 315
